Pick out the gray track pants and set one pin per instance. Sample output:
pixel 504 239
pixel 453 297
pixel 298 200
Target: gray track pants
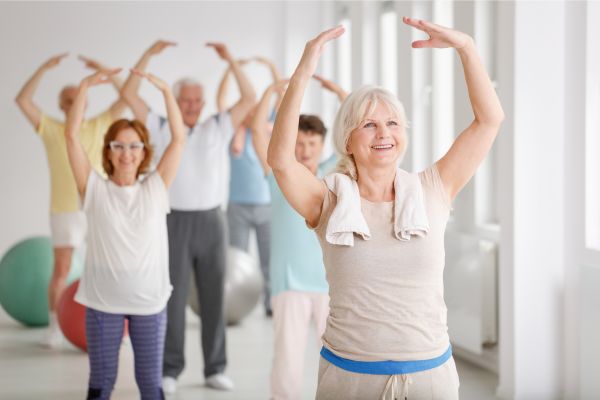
pixel 197 242
pixel 243 217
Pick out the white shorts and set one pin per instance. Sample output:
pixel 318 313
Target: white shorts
pixel 68 229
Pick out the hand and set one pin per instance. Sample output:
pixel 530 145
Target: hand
pixel 93 64
pixel 100 77
pixel 159 46
pixel 439 36
pixel 314 49
pixel 54 61
pixel 326 83
pixel 221 50
pixel 153 79
pixel 263 60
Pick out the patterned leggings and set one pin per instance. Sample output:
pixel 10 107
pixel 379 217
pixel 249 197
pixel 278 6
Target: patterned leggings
pixel 104 335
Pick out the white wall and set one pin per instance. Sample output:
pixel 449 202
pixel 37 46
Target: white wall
pixel 117 34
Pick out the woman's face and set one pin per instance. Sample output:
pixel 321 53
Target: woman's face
pixel 127 152
pixel 379 140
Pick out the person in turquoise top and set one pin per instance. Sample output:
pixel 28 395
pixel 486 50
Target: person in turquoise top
pixel 299 290
pixel 249 198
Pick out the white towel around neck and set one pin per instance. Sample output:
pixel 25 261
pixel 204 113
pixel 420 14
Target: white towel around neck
pixel 347 219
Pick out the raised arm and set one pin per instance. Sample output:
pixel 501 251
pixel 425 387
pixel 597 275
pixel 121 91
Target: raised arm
pixel 169 162
pixel 469 149
pixel 260 125
pixel 247 93
pixel 222 91
pixel 332 87
pixel 130 90
pixel 275 75
pixel 301 188
pixel 80 165
pixel 25 97
pixel 118 106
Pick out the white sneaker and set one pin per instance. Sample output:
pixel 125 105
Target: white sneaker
pixel 169 384
pixel 219 382
pixel 53 337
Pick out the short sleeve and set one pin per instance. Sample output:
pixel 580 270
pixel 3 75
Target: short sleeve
pixel 158 191
pixel 49 126
pixel 90 190
pixel 154 123
pixel 221 126
pixel 431 179
pixel 329 201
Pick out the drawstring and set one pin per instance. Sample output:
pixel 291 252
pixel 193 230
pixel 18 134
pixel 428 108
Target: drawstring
pixel 391 388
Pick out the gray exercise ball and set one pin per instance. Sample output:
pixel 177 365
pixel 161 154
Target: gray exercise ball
pixel 243 286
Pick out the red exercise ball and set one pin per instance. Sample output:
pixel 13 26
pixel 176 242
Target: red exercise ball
pixel 71 317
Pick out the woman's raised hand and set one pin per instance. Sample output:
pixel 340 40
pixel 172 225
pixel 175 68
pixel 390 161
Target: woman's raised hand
pixel 159 46
pixel 314 49
pixel 439 36
pixel 153 79
pixel 100 77
pixel 53 61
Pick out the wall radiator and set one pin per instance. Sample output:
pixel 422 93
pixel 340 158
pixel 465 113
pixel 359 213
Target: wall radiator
pixel 471 291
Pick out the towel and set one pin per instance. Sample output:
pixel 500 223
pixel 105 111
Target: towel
pixel 410 217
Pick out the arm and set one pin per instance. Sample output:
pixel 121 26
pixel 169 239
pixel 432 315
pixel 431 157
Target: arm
pixel 259 125
pixel 169 162
pixel 238 141
pixel 222 91
pixel 248 95
pixel 304 191
pixel 118 107
pixel 25 97
pixel 129 93
pixel 80 165
pixel 332 87
pixel 275 75
pixel 469 149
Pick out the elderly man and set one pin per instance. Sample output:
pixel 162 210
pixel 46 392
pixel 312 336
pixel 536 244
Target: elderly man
pixel 196 224
pixel 67 221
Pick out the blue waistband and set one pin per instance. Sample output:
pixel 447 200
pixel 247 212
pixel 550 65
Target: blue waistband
pixel 385 367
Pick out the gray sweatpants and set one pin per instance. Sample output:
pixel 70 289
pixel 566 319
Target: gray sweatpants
pixel 243 217
pixel 197 242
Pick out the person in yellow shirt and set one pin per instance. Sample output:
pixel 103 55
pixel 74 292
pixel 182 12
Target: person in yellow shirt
pixel 67 221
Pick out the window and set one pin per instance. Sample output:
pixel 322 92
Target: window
pixel 389 49
pixel 592 138
pixel 344 56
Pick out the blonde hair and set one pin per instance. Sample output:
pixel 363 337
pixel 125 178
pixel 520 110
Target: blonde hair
pixel 352 112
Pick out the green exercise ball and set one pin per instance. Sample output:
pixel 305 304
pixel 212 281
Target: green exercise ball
pixel 25 272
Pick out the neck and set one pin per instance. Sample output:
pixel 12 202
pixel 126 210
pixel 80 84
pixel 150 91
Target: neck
pixel 376 184
pixel 120 178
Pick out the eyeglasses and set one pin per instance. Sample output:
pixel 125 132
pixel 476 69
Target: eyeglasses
pixel 120 147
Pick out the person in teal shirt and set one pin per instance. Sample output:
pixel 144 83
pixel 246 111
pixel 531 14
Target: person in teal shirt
pixel 299 290
pixel 249 205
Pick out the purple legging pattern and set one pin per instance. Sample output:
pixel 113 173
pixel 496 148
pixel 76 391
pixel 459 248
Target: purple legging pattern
pixel 104 335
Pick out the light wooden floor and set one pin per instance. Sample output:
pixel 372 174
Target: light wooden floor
pixel 28 371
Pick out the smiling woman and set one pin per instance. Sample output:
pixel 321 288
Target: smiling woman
pixel 126 275
pixel 127 141
pixel 381 229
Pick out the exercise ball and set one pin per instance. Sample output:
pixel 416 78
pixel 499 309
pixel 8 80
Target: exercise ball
pixel 243 286
pixel 71 318
pixel 25 272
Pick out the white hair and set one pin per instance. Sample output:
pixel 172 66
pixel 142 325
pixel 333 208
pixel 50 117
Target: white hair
pixel 352 112
pixel 184 82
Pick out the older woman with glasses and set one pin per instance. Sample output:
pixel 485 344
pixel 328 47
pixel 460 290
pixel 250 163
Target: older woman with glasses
pixel 126 276
pixel 381 229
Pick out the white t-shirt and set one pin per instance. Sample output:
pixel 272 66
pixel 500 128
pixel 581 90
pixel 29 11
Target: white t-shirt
pixel 201 182
pixel 127 261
